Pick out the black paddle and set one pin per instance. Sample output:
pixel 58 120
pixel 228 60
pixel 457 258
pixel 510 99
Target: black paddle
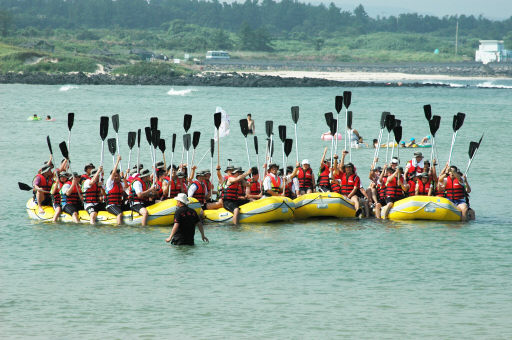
pixel 295 118
pixel 71 121
pixel 187 122
pixel 434 124
pixel 149 138
pixel 115 123
pixel 162 147
pixel 217 120
pixel 458 120
pixel 256 149
pixel 383 117
pixel 269 127
pixel 473 148
pixel 49 144
pixel 328 119
pixel 282 136
pixel 332 127
pixel 212 151
pixel 398 137
pixel 288 143
pixel 349 120
pixel 195 141
pixel 103 135
pixel 347 98
pixel 398 122
pixel 132 135
pixel 24 187
pixel 338 103
pixel 153 123
pixel 138 149
pixel 244 128
pixel 427 109
pixel 173 146
pixel 111 142
pixel 155 138
pixel 390 124
pixel 64 150
pixel 186 144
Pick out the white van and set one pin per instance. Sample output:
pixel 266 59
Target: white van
pixel 217 55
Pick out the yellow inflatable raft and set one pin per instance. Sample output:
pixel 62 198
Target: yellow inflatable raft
pixel 425 208
pixel 268 209
pixel 318 204
pixel 161 213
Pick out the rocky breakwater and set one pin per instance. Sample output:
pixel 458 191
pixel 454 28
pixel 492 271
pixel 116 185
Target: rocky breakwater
pixel 205 79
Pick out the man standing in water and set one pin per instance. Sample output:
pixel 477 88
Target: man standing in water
pixel 250 124
pixel 185 221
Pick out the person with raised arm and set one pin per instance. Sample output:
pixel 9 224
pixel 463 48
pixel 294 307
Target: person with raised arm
pixel 454 188
pixel 253 190
pixel 306 178
pixel 350 182
pixel 70 196
pixel 115 193
pixel 139 194
pixel 91 191
pixel 396 187
pixel 231 192
pixel 323 174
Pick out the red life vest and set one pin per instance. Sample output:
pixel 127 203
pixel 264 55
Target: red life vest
pixel 241 190
pixel 323 178
pixel 92 194
pixel 230 193
pixel 72 198
pixel 305 178
pixel 348 183
pixel 115 195
pixel 255 187
pixel 393 189
pixel 276 183
pixel 133 196
pixel 56 197
pixel 381 189
pixel 413 169
pixel 45 184
pixel 423 188
pixel 335 186
pixel 174 188
pixel 160 192
pixel 454 190
pixel 412 188
pixel 200 192
pixel 288 190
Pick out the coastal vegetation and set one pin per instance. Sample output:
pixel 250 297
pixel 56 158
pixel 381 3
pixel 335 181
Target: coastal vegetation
pixel 115 36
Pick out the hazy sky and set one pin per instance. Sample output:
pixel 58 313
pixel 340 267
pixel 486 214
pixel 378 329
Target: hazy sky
pixel 492 9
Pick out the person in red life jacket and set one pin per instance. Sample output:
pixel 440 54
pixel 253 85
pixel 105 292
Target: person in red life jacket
pixel 372 191
pixel 159 193
pixel 42 184
pixel 415 165
pixel 198 189
pixel 452 184
pixel 55 192
pixel 242 196
pixel 253 190
pixel 381 190
pixel 306 178
pixel 272 183
pixel 185 221
pixel 139 194
pixel 182 182
pixel 115 193
pixel 395 189
pixel 70 196
pixel 323 174
pixel 87 173
pixel 231 192
pixel 292 185
pixel 411 184
pixel 350 183
pixel 424 185
pixel 91 193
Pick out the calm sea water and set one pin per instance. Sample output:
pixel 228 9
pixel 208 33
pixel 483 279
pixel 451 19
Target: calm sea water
pixel 312 279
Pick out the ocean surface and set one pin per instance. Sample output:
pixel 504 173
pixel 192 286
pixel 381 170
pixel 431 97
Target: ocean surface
pixel 314 279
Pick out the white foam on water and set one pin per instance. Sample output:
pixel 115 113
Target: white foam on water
pixel 173 92
pixel 67 88
pixel 491 85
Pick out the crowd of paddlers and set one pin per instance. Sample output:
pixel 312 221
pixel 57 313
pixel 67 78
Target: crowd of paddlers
pixel 137 187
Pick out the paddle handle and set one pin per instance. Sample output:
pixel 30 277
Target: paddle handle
pixel 469 163
pixel 172 158
pixel 193 156
pixel 392 150
pixel 284 163
pixel 349 131
pixel 138 158
pixel 296 144
pixel 198 163
pixel 387 148
pixel 102 152
pixel 454 136
pixel 336 134
pixel 182 155
pixel 247 150
pixel 346 123
pixel 129 159
pixel 270 147
pixel 69 142
pixel 218 147
pixel 117 142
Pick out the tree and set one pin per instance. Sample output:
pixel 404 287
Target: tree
pixel 5 22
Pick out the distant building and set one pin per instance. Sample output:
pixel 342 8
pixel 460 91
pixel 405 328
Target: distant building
pixel 143 54
pixel 492 51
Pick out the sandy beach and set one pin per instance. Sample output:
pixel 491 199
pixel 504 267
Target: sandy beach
pixel 368 76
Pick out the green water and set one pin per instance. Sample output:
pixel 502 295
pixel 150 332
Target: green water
pixel 312 279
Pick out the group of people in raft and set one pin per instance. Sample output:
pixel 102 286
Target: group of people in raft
pixel 138 188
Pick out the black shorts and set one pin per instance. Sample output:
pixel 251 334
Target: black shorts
pixel 382 201
pixel 392 199
pixel 93 208
pixel 47 200
pixel 55 206
pixel 324 189
pixel 137 207
pixel 114 209
pixel 70 209
pixel 230 205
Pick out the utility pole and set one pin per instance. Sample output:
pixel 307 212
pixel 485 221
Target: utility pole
pixel 457 37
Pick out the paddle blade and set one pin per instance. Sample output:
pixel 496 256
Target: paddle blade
pixel 111 145
pixel 217 119
pixel 428 111
pixel 256 144
pixel 338 103
pixel 195 139
pixel 383 119
pixel 480 141
pixel 24 187
pixel 244 127
pixel 347 98
pixel 49 144
pixel 173 141
pixel 333 126
pixel 460 120
pixel 288 143
pixel 147 129
pixel 454 123
pixel 115 122
pixel 155 138
pixel 349 119
pixel 187 121
pixel 434 124
pixel 473 146
pixel 398 122
pixel 153 122
pixel 131 139
pixel 103 127
pixel 161 145
pixel 295 114
pixel 269 126
pixel 64 150
pixel 390 122
pixel 71 120
pixel 398 134
pixel 328 118
pixel 186 141
pixel 138 138
pixel 212 147
pixel 282 132
pixel 272 149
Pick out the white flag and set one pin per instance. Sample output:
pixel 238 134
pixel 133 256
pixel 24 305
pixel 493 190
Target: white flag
pixel 224 123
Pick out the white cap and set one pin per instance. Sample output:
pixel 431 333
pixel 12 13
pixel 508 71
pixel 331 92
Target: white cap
pixel 182 198
pixel 305 161
pixel 394 161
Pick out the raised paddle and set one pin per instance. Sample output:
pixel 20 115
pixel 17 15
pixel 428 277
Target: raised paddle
pixel 244 128
pixel 347 99
pixel 338 105
pixel 256 149
pixel 71 121
pixel 288 143
pixel 398 123
pixel 132 135
pixel 282 137
pixel 173 145
pixel 434 124
pixel 111 142
pixel 427 109
pixel 138 149
pixel 334 123
pixel 153 123
pixel 115 123
pixel 103 135
pixel 458 120
pixel 390 124
pixel 187 122
pixel 162 147
pixel 195 141
pixel 24 186
pixel 186 144
pixel 217 120
pixel 269 127
pixel 212 151
pixel 49 145
pixel 473 148
pixel 397 131
pixel 64 150
pixel 295 118
pixel 328 119
pixel 383 117
pixel 349 129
